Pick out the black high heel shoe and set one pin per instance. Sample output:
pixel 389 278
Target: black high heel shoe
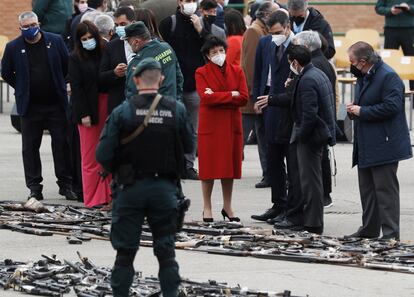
pixel 207 220
pixel 233 219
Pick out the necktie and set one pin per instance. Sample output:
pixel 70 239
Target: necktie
pixel 279 53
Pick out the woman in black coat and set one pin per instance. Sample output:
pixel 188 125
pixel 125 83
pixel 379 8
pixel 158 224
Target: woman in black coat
pixel 90 109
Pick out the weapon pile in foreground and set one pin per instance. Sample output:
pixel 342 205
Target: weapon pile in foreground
pixel 80 224
pixel 53 277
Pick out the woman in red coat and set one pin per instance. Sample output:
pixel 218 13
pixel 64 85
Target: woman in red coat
pixel 234 22
pixel 223 90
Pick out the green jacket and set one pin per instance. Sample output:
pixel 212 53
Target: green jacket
pixel 402 20
pixel 53 14
pixel 162 52
pixel 122 115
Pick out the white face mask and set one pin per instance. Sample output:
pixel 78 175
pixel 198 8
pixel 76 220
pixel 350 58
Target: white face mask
pixel 278 39
pixel 82 7
pixel 293 69
pixel 189 8
pixel 218 59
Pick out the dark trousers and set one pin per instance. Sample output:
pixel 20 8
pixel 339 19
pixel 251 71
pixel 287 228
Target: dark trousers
pixel 259 128
pixel 75 155
pixel 294 205
pixel 154 199
pixel 380 199
pixel 248 120
pixel 38 118
pixel 276 155
pixel 326 172
pixel 404 37
pixel 310 173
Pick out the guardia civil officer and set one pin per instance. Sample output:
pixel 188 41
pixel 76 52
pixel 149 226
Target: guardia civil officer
pixel 145 160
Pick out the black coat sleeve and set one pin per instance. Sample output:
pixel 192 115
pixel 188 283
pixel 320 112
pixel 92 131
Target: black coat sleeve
pixel 79 95
pixel 106 72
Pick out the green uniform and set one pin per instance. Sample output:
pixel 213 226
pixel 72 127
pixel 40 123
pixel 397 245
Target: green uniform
pixel 163 53
pixel 153 198
pixel 53 14
pixel 402 20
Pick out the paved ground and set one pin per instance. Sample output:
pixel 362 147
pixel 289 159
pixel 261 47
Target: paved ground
pixel 302 279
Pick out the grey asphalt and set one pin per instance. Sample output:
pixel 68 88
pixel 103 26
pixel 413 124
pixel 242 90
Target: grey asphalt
pixel 312 279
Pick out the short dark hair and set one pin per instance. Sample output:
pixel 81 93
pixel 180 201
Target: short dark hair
pixel 362 50
pixel 278 17
pixel 211 42
pixel 83 28
pixel 95 3
pixel 208 4
pixel 126 3
pixel 299 53
pixel 263 9
pixel 127 11
pixel 233 19
pixel 147 16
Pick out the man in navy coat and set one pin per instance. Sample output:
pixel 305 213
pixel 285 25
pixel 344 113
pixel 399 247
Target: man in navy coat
pixel 381 140
pixel 35 65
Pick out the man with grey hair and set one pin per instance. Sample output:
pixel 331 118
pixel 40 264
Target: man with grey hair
pixel 312 40
pixel 105 25
pixel 303 18
pixel 90 16
pixel 381 140
pixel 35 65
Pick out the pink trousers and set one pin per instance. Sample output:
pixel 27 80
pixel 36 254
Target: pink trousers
pixel 95 190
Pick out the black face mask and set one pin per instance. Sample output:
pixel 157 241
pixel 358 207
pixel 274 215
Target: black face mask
pixel 210 19
pixel 298 20
pixel 356 72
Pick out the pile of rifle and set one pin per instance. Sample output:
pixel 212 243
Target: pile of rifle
pixel 53 277
pixel 80 224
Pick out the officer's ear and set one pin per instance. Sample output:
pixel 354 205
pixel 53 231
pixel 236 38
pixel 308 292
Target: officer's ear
pixel 161 79
pixel 136 80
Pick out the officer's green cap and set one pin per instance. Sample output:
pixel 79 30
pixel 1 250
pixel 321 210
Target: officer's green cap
pixel 135 29
pixel 145 64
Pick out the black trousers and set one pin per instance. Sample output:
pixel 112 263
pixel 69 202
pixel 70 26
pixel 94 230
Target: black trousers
pixel 380 199
pixel 404 37
pixel 326 172
pixel 75 155
pixel 38 118
pixel 276 155
pixel 248 120
pixel 310 173
pixel 262 145
pixel 294 206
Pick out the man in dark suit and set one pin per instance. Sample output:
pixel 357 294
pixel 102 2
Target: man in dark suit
pixel 115 58
pixel 35 65
pixel 272 69
pixel 314 127
pixel 305 18
pixel 221 4
pixel 381 140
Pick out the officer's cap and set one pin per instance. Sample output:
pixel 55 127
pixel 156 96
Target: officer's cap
pixel 135 29
pixel 145 64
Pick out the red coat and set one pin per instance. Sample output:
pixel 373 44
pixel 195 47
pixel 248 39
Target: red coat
pixel 220 132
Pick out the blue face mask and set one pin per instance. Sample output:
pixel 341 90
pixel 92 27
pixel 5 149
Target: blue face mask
pixel 89 44
pixel 120 31
pixel 30 33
